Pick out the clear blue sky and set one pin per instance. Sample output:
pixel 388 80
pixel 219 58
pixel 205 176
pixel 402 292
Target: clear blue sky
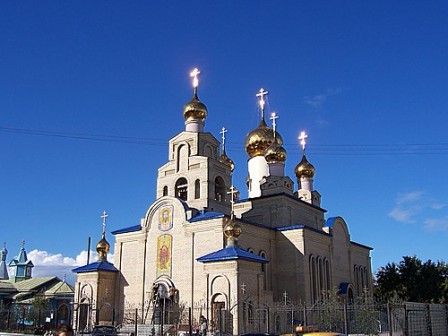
pixel 91 91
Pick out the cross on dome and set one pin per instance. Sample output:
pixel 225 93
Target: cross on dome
pixel 104 216
pixel 261 100
pixel 194 74
pixel 274 117
pixel 232 199
pixel 302 138
pixel 23 243
pixel 223 133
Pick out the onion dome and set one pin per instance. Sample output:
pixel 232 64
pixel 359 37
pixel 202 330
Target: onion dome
pixel 232 231
pixel 195 109
pixel 275 153
pixel 304 169
pixel 258 140
pixel 102 247
pixel 226 160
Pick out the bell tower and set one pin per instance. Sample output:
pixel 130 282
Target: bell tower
pixel 196 172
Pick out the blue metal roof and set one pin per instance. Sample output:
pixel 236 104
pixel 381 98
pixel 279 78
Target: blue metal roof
pixel 96 266
pixel 330 221
pixel 204 215
pixel 231 253
pixel 343 287
pixel 128 229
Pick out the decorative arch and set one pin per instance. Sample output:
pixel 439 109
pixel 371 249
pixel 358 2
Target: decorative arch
pixel 183 153
pixel 153 216
pixel 220 189
pixel 181 188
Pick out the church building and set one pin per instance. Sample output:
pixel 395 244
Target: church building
pixel 200 246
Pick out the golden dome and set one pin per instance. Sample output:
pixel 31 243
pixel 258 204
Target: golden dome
pixel 195 109
pixel 275 153
pixel 258 140
pixel 226 160
pixel 102 247
pixel 232 230
pixel 304 169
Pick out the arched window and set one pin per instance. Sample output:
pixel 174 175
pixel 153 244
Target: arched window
pixel 182 188
pixel 327 269
pixel 220 190
pixel 165 191
pixel 321 277
pixel 183 152
pixel 313 279
pixel 197 189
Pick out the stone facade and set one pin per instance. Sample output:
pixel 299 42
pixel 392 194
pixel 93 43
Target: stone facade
pixel 179 254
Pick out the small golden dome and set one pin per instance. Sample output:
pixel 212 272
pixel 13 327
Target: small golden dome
pixel 102 247
pixel 258 140
pixel 195 109
pixel 226 160
pixel 304 169
pixel 275 153
pixel 232 230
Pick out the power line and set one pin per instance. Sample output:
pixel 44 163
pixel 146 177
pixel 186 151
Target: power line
pixel 315 149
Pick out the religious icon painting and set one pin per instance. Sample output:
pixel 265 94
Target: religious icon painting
pixel 166 218
pixel 164 248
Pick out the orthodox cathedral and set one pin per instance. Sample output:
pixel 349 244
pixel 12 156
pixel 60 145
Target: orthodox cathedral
pixel 201 246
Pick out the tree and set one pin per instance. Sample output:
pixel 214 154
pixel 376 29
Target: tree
pixel 412 280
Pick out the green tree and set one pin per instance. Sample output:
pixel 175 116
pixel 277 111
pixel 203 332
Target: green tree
pixel 413 280
pixel 38 310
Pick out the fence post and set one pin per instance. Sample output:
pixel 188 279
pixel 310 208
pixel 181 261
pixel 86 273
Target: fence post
pixel 268 317
pixel 345 319
pixel 428 319
pixel 389 319
pixel 304 315
pixel 406 322
pixel 190 322
pixel 135 321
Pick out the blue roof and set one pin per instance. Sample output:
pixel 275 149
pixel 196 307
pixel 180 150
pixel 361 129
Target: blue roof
pixel 231 253
pixel 343 287
pixel 330 221
pixel 128 229
pixel 96 266
pixel 204 215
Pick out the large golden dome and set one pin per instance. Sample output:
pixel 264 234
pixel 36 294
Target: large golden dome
pixel 195 109
pixel 304 169
pixel 258 140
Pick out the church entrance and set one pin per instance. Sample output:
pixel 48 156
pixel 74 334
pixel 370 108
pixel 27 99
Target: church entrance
pixel 164 302
pixel 83 320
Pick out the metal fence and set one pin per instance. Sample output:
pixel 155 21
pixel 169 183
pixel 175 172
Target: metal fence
pixel 407 319
pixel 26 318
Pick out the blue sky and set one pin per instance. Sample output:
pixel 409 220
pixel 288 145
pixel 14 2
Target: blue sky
pixel 91 91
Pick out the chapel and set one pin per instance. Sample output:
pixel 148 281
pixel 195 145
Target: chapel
pixel 203 250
